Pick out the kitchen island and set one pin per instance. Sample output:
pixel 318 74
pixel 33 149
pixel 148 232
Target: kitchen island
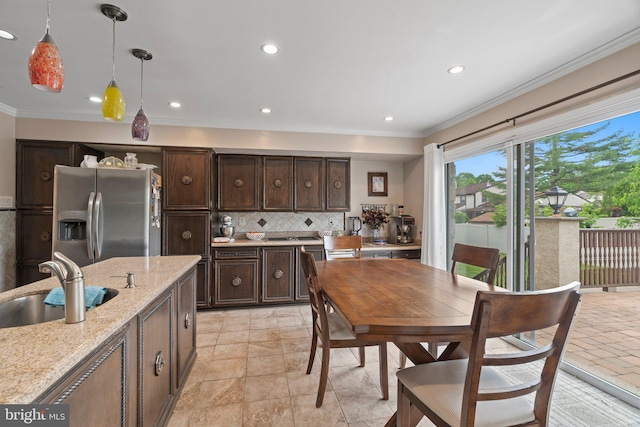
pixel 49 362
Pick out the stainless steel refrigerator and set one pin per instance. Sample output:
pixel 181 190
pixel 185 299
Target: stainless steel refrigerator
pixel 105 213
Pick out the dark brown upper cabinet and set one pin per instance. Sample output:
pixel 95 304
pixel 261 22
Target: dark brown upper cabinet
pixel 309 184
pixel 187 174
pixel 239 184
pixel 338 185
pixel 278 184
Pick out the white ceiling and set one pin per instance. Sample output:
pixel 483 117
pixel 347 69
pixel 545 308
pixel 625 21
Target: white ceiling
pixel 343 66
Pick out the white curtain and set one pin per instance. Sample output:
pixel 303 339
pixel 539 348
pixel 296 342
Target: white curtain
pixel 434 236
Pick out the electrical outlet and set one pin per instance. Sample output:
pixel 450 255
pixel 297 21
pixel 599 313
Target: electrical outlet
pixel 6 202
pixel 242 220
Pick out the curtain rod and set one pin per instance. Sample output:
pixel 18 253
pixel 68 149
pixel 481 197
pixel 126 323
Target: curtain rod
pixel 543 107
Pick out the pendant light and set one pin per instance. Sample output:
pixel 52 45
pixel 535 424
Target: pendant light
pixel 46 70
pixel 140 125
pixel 113 102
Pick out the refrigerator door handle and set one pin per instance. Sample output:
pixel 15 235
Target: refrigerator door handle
pixel 97 226
pixel 89 224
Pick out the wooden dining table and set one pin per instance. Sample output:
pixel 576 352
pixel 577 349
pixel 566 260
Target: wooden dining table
pixel 404 302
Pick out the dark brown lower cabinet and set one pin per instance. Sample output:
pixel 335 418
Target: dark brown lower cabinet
pixel 107 374
pixel 155 326
pixel 136 376
pixel 236 282
pixel 302 292
pixel 278 274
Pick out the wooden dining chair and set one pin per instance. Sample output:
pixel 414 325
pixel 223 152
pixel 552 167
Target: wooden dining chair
pixel 476 391
pixel 487 258
pixel 333 332
pixel 336 247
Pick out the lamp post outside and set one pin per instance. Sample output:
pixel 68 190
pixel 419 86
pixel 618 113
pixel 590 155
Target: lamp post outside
pixel 557 197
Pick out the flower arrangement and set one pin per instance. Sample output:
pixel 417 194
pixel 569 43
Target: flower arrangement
pixel 375 219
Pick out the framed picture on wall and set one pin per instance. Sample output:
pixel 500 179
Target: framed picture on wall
pixel 377 183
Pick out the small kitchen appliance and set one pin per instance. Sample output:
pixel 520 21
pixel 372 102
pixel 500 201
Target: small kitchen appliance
pixel 402 230
pixel 355 225
pixel 226 228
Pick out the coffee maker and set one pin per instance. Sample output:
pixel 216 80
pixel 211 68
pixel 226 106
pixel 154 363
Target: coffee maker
pixel 355 225
pixel 402 229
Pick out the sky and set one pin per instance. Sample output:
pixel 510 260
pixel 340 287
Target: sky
pixel 489 162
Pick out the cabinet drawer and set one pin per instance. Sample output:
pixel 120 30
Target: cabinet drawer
pixel 186 233
pixel 233 253
pixel 236 282
pixel 412 254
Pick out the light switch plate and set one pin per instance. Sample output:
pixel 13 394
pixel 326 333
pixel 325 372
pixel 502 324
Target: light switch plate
pixel 6 202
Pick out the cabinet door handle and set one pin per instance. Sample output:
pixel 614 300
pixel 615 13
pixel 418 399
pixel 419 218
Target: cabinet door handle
pixel 45 236
pixel 160 362
pixel 187 321
pixel 308 183
pixel 278 274
pixel 45 176
pixel 236 281
pixel 238 182
pixel 277 183
pixel 338 184
pixel 186 180
pixel 186 235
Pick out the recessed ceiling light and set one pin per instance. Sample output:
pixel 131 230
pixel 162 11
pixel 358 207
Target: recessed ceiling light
pixel 175 104
pixel 270 49
pixel 4 34
pixel 95 99
pixel 265 110
pixel 388 119
pixel 455 69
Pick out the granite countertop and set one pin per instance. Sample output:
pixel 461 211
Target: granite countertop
pixel 34 357
pixel 309 241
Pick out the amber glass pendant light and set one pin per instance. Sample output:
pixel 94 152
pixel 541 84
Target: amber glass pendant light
pixel 46 69
pixel 113 106
pixel 140 125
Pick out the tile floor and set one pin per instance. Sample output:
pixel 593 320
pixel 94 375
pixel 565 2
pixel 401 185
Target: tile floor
pixel 250 371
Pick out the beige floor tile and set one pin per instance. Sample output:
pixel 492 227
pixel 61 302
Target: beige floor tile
pixel 291 321
pixel 208 326
pixel 230 325
pixel 340 357
pixel 360 404
pixel 266 387
pixel 207 340
pixel 267 334
pixel 225 415
pixel 297 361
pixel 292 311
pixel 300 383
pixel 268 413
pixel 233 337
pixel 295 345
pixel 342 377
pixel 264 323
pixel 264 348
pixel 220 392
pixel 179 419
pixel 294 332
pixel 230 351
pixel 265 365
pixel 188 397
pixel 264 313
pixel 306 414
pixel 227 368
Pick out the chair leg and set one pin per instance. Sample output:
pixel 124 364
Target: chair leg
pixel 403 360
pixel 384 371
pixel 361 357
pixel 403 414
pixel 314 347
pixel 324 375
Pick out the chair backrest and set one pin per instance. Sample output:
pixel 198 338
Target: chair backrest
pixel 316 298
pixel 499 314
pixel 336 247
pixel 478 256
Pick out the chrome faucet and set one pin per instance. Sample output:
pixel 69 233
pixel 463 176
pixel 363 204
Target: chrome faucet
pixel 72 281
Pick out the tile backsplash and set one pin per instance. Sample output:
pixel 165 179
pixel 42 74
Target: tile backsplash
pixel 7 250
pixel 284 221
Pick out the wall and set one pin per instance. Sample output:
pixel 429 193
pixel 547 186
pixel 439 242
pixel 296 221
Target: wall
pixel 7 215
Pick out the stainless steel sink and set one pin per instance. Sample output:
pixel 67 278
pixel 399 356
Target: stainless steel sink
pixel 31 309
